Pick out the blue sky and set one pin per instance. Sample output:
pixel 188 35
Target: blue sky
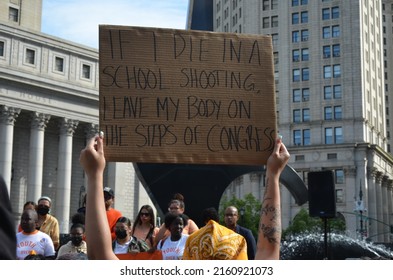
pixel 78 20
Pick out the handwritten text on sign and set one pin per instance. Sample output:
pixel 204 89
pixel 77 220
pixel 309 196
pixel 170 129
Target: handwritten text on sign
pixel 181 96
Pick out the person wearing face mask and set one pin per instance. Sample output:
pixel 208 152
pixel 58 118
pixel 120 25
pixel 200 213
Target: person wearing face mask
pixel 124 242
pixel 76 244
pixel 46 222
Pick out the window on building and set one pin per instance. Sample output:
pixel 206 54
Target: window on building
pixel 295 55
pixel 59 64
pixel 337 91
pixel 327 92
pixel 297 137
pixel 326 32
pixel 328 135
pixel 336 50
pixel 295 18
pixel 266 22
pixel 336 71
pixel 266 5
pixel 304 2
pixel 306 137
pixel 296 95
pixel 326 51
pixel 333 135
pixel 327 72
pixel 325 13
pixel 338 135
pixel 13 14
pixel 30 56
pixel 274 4
pixel 302 137
pixel 305 35
pixel 295 2
pixel 304 17
pixel 339 196
pixel 306 115
pixel 332 156
pixel 2 48
pixel 296 75
pixel 335 12
pixel 305 74
pixel 305 54
pixel 275 21
pixel 296 116
pixel 275 39
pixel 275 58
pixel 338 112
pixel 306 94
pixel 299 157
pixel 86 71
pixel 339 176
pixel 328 113
pixel 295 37
pixel 335 31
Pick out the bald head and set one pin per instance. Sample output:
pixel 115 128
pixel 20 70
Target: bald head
pixel 231 217
pixel 29 220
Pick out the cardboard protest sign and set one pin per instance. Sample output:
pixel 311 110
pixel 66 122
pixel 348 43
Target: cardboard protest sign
pixel 179 96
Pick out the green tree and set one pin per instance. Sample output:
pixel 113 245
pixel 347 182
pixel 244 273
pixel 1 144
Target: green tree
pixel 252 210
pixel 303 223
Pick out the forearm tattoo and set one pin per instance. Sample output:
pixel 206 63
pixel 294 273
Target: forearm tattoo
pixel 270 227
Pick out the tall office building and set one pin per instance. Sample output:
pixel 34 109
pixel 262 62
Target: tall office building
pixel 48 109
pixel 332 75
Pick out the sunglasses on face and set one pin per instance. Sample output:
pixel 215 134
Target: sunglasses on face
pixel 145 214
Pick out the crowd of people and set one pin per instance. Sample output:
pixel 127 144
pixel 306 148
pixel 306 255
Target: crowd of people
pixel 99 232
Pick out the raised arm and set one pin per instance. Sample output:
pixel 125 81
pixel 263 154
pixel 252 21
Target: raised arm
pixel 97 229
pixel 269 235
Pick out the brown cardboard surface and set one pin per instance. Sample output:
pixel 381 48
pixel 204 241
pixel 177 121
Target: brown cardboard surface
pixel 180 96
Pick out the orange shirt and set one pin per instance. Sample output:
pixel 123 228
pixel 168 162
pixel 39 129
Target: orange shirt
pixel 113 215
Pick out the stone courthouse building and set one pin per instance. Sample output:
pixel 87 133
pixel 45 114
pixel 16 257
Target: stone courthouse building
pixel 48 109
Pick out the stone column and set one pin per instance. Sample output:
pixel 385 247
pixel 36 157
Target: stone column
pixel 372 205
pixel 390 205
pixel 385 210
pixel 36 155
pixel 8 116
pixel 361 180
pixel 63 190
pixel 90 131
pixel 378 190
pixel 350 192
